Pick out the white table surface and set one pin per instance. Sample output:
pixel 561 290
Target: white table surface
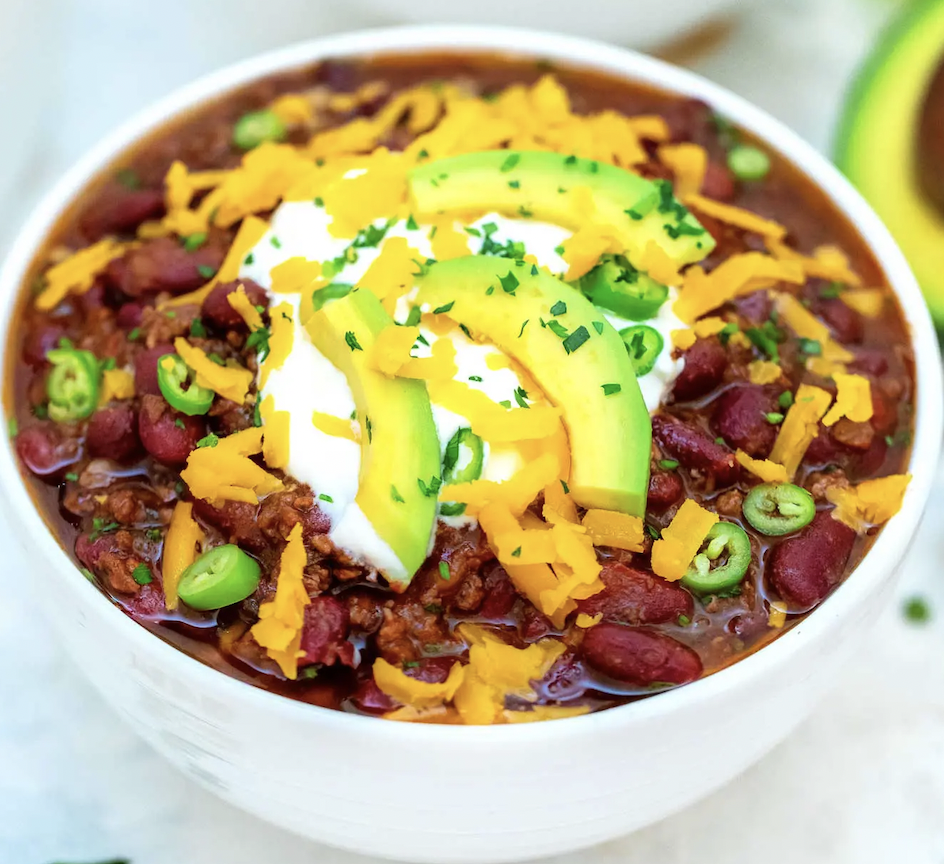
pixel 861 781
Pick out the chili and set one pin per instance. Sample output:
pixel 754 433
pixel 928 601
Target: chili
pixel 644 344
pixel 776 509
pixel 218 578
pixel 73 384
pixel 723 561
pixel 172 375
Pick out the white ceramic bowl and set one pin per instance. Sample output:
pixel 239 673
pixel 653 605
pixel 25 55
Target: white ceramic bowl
pixel 453 794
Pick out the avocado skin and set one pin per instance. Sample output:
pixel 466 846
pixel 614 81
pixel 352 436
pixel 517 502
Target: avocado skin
pixel 401 447
pixel 547 186
pixel 876 142
pixel 609 435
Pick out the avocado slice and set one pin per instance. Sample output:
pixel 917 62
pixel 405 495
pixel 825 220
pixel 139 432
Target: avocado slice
pixel 400 455
pixel 574 355
pixel 876 144
pixel 546 185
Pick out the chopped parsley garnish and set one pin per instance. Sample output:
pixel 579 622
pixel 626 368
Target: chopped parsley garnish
pixel 414 317
pixel 276 243
pixel 576 339
pixel 490 290
pixel 559 250
pixel 88 574
pixel 720 441
pixel 610 389
pixel 510 162
pixel 171 313
pixel 153 534
pixel 411 224
pixel 525 324
pixel 633 214
pixel 431 489
pixel 72 477
pixel 179 423
pixel 810 347
pixel 506 403
pixel 210 440
pixel 194 241
pixel 410 664
pixel 524 212
pixel 369 237
pixel 352 342
pixel 249 259
pixel 134 335
pixel 832 290
pixel 216 358
pixel 100 526
pixel 785 399
pixel 516 553
pixel 475 378
pixel 774 418
pixel 473 231
pixel 319 201
pixel 653 532
pixel 421 338
pixel 442 310
pixel 558 329
pixel 206 271
pixel 308 672
pixel 41 411
pixel 259 339
pixel 509 283
pixel 521 397
pixel 565 487
pixel 684 620
pixel 534 270
pixel 766 339
pixel 444 571
pixel 423 154
pixel 256 415
pixel 465 330
pixel 432 231
pixel 396 496
pixel 668 464
pixel 370 429
pixel 917 610
pixel 328 498
pixel 142 574
pixel 559 308
pixel 570 160
pixel 514 184
pixel 197 329
pixel 598 326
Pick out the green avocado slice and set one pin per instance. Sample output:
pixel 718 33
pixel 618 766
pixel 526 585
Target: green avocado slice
pixel 400 458
pixel 876 147
pixel 574 355
pixel 547 186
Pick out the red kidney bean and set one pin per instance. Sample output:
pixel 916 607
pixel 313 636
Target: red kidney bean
pixel 823 449
pixel 89 551
pixel 846 324
pixel 804 568
pixel 704 367
pixel 718 182
pixel 147 602
pixel 533 625
pixel 119 210
pixel 665 488
pixel 129 315
pixel 45 449
pixel 39 339
pixel 755 307
pixel 93 299
pixel 636 597
pixel 694 448
pixel 145 369
pixel 168 435
pixel 871 361
pixel 112 433
pixel 639 656
pixel 217 311
pixel 162 265
pixel 325 632
pixel 370 699
pixel 236 521
pixel 566 679
pixel 500 595
pixel 864 464
pixel 740 417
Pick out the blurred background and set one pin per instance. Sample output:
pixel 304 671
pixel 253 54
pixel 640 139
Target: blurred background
pixel 860 782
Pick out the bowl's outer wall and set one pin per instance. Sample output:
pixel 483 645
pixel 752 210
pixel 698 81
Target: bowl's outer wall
pixel 454 794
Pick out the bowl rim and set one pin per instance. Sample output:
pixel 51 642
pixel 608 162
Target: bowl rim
pixel 880 561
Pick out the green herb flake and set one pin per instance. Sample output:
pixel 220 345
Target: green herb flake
pixel 514 184
pixel 153 534
pixel 610 389
pixel 396 496
pixel 810 347
pixel 259 340
pixel 192 242
pixel 474 232
pixel 256 415
pixel 534 270
pixel 100 526
pixel 684 620
pixel 476 378
pixel 327 498
pixel 352 342
pixel 206 271
pixel 134 335
pixel 197 330
pixel 309 672
pixel 565 487
pixel 505 403
pixel 524 212
pixel 216 358
pixel 411 224
pixel 490 290
pixel 410 664
pixel 430 490
pixel 570 160
pixel 598 326
pixel 170 314
pixel 525 324
pixel 558 329
pixel 444 571
pixel 720 441
pixel 774 418
pixel 210 440
pixel 653 532
pixel 521 397
pixel 249 259
pixel 576 339
pixel 785 399
pixel 832 290
pixel 370 430
pixel 559 250
pixel 559 308
pixel 917 610
pixel 516 553
pixel 442 310
pixel 276 243
pixel 142 574
pixel 509 283
pixel 668 464
pixel 465 330
pixel 319 201
pixel 510 162
pixel 72 477
pixel 88 574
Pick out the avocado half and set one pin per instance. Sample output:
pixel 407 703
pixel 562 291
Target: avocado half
pixel 879 146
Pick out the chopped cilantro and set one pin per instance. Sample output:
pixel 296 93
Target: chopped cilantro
pixel 558 329
pixel 785 399
pixel 653 532
pixel 565 487
pixel 142 574
pixel 134 335
pixel 576 339
pixel 206 271
pixel 774 418
pixel 276 243
pixel 917 610
pixel 308 672
pixel 433 608
pixel 475 378
pixel 100 526
pixel 505 403
pixel 153 534
pixel 179 423
pixel 370 429
pixel 684 620
pixel 210 440
pixel 396 496
pixel 442 310
pixel 72 477
pixel 516 553
pixel 444 571
pixel 370 237
pixel 521 397
pixel 432 489
pixel 194 241
pixel 525 324
pixel 197 330
pixel 414 317
pixel 509 283
pixel 352 342
pixel 524 212
pixel 610 389
pixel 810 347
pixel 410 664
pixel 473 231
pixel 465 330
pixel 832 290
pixel 256 415
pixel 510 162
pixel 514 184
pixel 259 339
pixel 319 201
pixel 559 308
pixel 411 224
pixel 88 574
pixel 249 259
pixel 328 498
pixel 598 326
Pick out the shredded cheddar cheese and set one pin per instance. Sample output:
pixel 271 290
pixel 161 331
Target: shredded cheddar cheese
pixel 336 427
pixel 412 692
pixel 764 372
pixel 872 502
pixel 281 339
pixel 689 163
pixel 279 628
pixel 853 399
pixel 866 301
pixel 296 275
pixel 585 622
pixel 769 472
pixel 681 540
pixel 736 216
pixel 516 493
pixel 77 273
pixel 392 272
pixel 275 434
pixel 611 528
pixel 181 544
pixel 116 384
pixel 226 473
pixel 231 382
pixel 243 305
pixel 800 427
pixel 777 616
